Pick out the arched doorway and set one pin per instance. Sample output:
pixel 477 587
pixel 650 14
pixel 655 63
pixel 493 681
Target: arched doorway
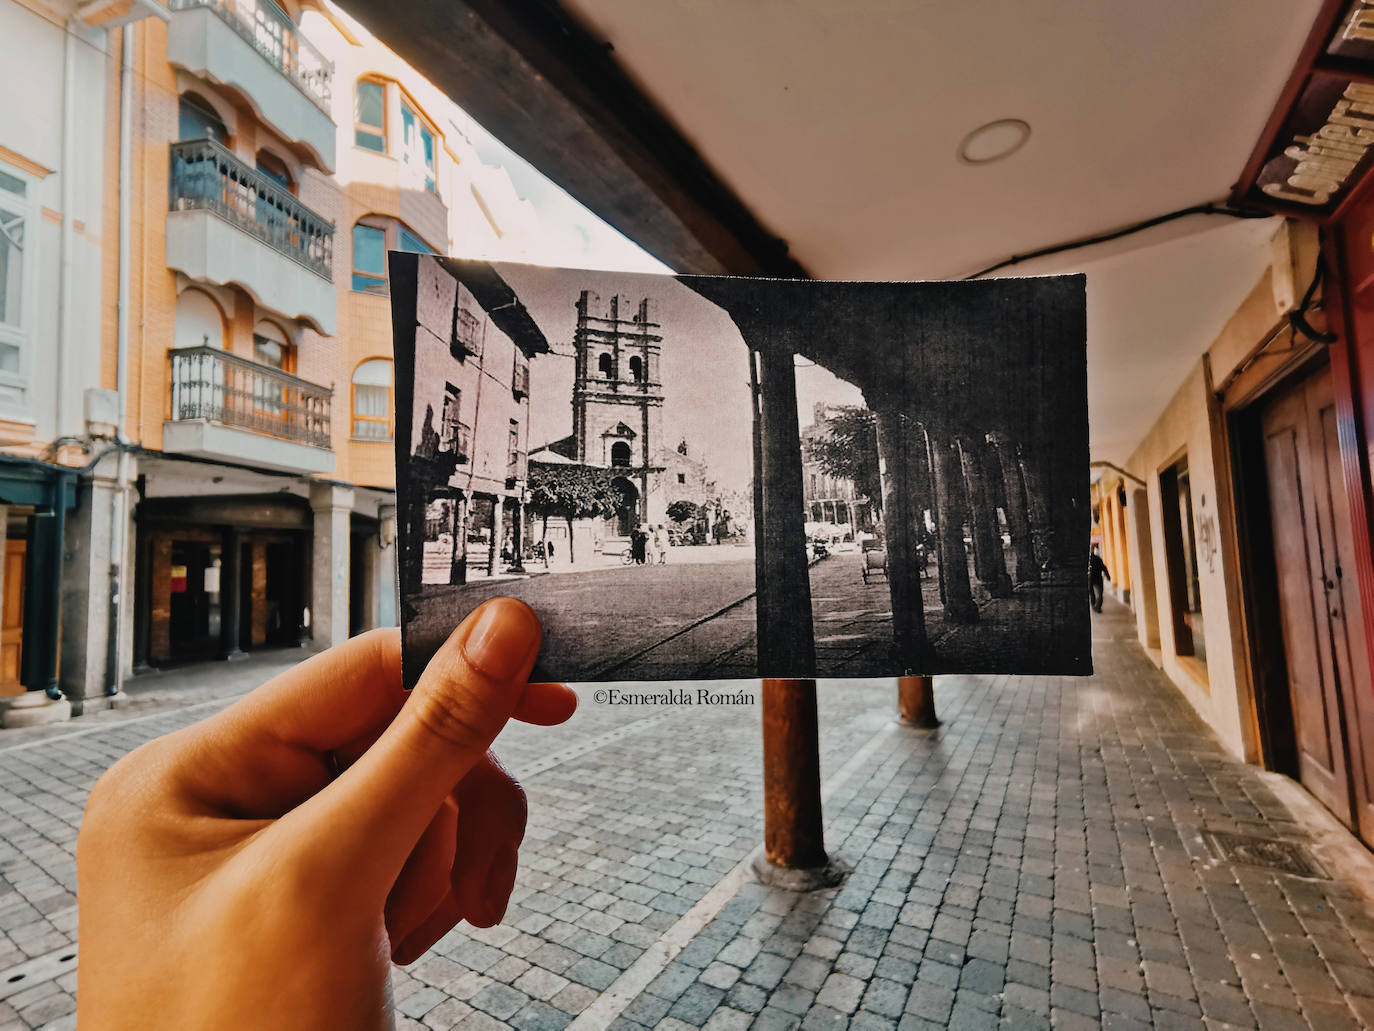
pixel 626 516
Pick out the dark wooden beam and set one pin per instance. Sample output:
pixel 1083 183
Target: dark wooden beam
pixel 538 81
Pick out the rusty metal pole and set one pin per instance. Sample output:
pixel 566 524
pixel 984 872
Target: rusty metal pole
pixel 916 701
pixel 792 833
pixel 792 830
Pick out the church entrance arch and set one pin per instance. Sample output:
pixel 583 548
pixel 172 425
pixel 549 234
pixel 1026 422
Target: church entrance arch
pixel 626 516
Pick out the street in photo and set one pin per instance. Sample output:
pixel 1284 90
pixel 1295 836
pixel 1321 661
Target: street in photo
pixel 712 478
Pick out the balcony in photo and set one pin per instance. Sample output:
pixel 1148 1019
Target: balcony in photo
pixel 230 224
pixel 255 49
pixel 226 407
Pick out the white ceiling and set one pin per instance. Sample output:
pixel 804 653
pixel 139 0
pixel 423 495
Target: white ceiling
pixel 837 125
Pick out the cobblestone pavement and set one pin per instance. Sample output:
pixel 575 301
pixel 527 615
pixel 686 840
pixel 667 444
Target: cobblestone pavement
pixel 1042 859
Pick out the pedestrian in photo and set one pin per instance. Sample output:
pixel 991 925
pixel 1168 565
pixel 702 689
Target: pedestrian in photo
pixel 638 542
pixel 1097 569
pixel 661 544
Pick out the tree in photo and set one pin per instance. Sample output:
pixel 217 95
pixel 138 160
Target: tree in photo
pixel 683 512
pixel 849 450
pixel 570 492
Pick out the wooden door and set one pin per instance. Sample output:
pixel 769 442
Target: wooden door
pixel 1328 675
pixel 1341 598
pixel 12 617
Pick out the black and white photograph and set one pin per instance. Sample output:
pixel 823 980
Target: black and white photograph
pixel 715 478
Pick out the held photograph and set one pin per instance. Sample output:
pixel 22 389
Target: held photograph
pixel 715 478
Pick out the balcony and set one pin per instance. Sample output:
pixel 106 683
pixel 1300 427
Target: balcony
pixel 456 445
pixel 228 223
pixel 252 47
pixel 227 407
pixel 467 334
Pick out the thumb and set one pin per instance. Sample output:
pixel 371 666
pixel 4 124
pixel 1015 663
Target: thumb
pixel 365 824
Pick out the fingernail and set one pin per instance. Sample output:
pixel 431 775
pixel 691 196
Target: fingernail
pixel 501 641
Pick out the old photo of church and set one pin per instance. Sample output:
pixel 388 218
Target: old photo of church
pixel 704 478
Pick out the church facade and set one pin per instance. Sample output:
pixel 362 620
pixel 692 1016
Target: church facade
pixel 617 403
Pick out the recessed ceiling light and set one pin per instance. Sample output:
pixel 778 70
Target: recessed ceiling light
pixel 994 141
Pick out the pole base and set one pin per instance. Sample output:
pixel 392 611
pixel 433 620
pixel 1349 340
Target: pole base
pixel 812 878
pixel 916 702
pixel 33 709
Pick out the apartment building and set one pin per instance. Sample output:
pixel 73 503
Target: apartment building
pixel 197 208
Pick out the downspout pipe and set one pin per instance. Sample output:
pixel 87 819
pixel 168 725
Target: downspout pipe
pixel 119 509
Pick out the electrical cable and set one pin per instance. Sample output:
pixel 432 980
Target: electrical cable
pixel 1116 234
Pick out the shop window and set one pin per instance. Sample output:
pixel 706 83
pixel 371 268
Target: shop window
pixel 16 272
pixel 369 115
pixel 372 406
pixel 1180 555
pixel 417 140
pixel 198 120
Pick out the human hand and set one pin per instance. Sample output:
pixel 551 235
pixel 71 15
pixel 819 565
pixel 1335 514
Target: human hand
pixel 263 868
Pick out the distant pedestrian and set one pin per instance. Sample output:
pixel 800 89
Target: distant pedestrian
pixel 639 541
pixel 661 544
pixel 1097 569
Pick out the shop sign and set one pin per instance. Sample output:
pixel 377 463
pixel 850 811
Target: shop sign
pixel 178 579
pixel 1323 147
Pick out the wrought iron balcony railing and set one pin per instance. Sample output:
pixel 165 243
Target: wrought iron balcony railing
pixel 206 176
pixel 216 386
pixel 272 33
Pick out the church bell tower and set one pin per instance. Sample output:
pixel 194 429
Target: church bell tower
pixel 617 389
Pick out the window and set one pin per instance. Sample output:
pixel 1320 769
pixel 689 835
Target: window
pixel 16 268
pixel 408 241
pixel 272 348
pixel 369 115
pixel 453 435
pixel 681 477
pixel 1180 560
pixel 372 400
pixel 273 168
pixel 417 143
pixel 606 366
pixel 199 322
pixel 198 120
pixel 636 368
pixel 513 450
pixel 371 240
pixel 620 454
pixel 369 259
pixel 520 377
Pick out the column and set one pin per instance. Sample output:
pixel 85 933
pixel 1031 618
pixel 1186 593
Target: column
pixel 793 835
pixel 518 535
pixel 785 635
pixel 1018 513
pixel 498 532
pixel 901 510
pixel 1123 582
pixel 989 560
pixel 458 558
pixel 329 556
pixel 388 590
pixel 231 595
pixel 916 701
pixel 952 507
